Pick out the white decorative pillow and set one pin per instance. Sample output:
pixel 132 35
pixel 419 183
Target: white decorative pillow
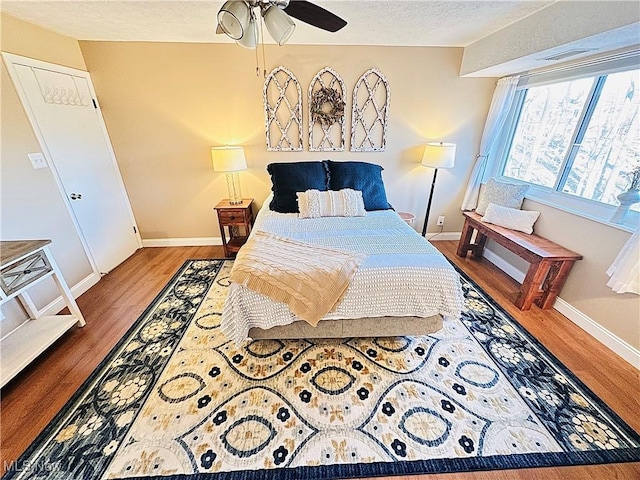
pixel 332 203
pixel 501 193
pixel 512 218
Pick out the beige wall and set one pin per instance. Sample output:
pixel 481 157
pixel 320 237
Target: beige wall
pixel 28 40
pixel 166 104
pixel 30 203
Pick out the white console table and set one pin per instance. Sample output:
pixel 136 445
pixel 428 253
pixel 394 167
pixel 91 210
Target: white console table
pixel 24 263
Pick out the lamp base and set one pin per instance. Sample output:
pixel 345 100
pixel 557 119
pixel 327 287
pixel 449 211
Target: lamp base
pixel 233 187
pixel 426 217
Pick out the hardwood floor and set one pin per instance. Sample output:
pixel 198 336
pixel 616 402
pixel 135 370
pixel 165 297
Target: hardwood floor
pixel 32 399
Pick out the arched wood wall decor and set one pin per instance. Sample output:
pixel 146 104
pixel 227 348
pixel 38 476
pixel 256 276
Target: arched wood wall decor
pixel 370 112
pixel 327 100
pixel 283 111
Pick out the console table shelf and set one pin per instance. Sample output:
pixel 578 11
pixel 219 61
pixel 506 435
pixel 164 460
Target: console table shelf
pixel 24 263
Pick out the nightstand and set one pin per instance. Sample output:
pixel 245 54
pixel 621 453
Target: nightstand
pixel 238 218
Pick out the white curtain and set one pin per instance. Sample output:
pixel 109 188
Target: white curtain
pixel 625 269
pixel 502 100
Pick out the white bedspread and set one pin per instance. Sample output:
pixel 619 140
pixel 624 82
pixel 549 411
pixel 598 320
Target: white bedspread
pixel 403 274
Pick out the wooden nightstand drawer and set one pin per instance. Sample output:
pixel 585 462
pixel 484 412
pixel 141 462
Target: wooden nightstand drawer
pixel 233 216
pixel 27 270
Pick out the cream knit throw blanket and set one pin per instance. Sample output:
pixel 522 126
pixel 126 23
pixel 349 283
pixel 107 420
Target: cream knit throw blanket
pixel 310 279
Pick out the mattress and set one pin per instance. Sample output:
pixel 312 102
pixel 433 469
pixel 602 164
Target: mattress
pixel 403 274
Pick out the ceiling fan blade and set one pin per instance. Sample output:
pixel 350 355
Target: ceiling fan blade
pixel 312 14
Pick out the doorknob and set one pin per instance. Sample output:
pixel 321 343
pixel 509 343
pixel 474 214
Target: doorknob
pixel 76 196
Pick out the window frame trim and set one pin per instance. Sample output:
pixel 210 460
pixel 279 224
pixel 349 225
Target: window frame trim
pixel 583 207
pixel 579 132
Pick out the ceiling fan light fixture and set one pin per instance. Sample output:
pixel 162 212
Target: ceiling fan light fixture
pixel 279 24
pixel 250 37
pixel 233 18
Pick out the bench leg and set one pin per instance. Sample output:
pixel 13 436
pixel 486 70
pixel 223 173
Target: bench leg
pixel 464 245
pixel 478 247
pixel 558 273
pixel 530 289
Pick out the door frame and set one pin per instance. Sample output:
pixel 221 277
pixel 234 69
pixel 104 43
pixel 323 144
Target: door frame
pixel 10 60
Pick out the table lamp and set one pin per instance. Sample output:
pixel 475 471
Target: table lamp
pixel 230 160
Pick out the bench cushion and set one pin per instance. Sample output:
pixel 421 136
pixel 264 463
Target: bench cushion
pixel 501 193
pixel 512 218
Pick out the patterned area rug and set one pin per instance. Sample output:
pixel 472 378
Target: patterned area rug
pixel 176 398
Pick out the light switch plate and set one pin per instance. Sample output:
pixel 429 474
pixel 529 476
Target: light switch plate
pixel 37 160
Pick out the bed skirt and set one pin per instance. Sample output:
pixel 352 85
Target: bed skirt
pixel 354 327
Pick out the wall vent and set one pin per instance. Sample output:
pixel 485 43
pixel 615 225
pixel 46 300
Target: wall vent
pixel 567 54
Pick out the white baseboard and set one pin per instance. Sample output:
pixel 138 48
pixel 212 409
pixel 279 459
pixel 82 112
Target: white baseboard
pixel 78 289
pixel 593 328
pixel 182 242
pixel 503 265
pixel 443 236
pixel 619 346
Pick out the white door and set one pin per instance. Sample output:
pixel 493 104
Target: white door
pixel 60 104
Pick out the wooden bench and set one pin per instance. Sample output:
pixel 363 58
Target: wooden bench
pixel 550 263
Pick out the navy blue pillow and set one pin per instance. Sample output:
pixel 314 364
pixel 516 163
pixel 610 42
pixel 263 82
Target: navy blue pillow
pixel 362 176
pixel 289 178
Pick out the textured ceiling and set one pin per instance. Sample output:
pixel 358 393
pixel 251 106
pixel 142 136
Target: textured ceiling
pixel 377 22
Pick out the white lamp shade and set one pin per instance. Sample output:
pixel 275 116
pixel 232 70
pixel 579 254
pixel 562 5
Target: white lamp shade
pixel 250 37
pixel 279 24
pixel 233 18
pixel 228 159
pixel 439 155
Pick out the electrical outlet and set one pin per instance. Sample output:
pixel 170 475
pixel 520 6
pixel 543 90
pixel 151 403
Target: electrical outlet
pixel 440 220
pixel 37 160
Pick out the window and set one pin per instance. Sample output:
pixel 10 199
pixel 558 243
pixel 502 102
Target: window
pixel 578 137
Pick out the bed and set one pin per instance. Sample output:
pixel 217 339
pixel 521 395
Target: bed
pixel 402 285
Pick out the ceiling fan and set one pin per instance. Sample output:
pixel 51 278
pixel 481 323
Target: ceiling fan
pixel 238 20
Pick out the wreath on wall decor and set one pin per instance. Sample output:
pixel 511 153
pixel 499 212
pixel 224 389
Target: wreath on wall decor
pixel 327 106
